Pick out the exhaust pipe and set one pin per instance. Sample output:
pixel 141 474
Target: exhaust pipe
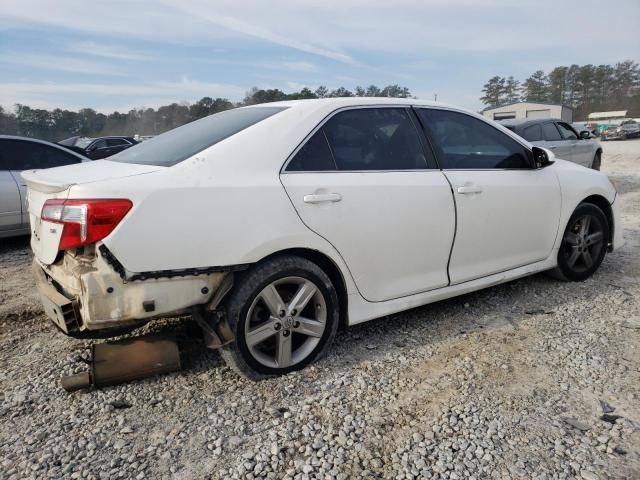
pixel 118 362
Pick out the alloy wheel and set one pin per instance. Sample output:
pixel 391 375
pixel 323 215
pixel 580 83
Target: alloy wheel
pixel 285 322
pixel 583 243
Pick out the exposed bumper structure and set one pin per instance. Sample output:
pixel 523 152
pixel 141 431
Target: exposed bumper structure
pixel 84 292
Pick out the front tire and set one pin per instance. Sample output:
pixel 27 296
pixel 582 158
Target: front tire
pixel 283 314
pixel 597 161
pixel 584 244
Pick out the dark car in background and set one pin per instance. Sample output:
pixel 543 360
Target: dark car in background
pixel 97 148
pixel 560 137
pixel 18 154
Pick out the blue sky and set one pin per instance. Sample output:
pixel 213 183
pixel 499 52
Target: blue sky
pixel 116 55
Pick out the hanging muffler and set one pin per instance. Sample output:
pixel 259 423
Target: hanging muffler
pixel 118 362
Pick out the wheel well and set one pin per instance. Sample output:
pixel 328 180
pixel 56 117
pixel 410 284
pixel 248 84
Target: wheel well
pixel 604 205
pixel 330 268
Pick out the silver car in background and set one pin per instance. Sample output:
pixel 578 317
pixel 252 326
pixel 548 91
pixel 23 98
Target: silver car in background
pixel 560 137
pixel 18 154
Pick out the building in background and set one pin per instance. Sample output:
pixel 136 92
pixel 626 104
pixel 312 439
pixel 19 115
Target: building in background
pixel 610 118
pixel 524 110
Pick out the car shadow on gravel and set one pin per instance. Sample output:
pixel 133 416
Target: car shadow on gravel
pixel 500 307
pixel 11 244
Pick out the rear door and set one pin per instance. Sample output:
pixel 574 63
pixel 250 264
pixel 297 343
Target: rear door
pixel 115 145
pixel 10 207
pixel 554 141
pixel 508 211
pixel 98 149
pixel 30 155
pixel 365 182
pixel 582 151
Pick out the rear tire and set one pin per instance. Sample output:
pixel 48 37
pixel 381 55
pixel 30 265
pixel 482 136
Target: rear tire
pixel 597 161
pixel 584 244
pixel 284 315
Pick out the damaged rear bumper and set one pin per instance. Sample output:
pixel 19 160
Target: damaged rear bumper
pixel 84 293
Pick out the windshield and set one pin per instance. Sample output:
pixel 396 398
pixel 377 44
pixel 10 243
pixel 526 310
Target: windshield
pixel 183 142
pixel 83 142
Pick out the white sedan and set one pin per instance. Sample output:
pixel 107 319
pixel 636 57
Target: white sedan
pixel 273 224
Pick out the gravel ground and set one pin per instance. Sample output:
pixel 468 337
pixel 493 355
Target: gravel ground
pixel 534 379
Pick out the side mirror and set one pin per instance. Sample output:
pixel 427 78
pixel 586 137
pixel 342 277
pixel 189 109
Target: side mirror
pixel 585 135
pixel 542 157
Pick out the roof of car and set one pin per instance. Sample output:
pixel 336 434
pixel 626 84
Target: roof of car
pixel 339 102
pixel 526 122
pixel 44 142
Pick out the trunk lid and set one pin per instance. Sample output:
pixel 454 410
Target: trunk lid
pixel 52 180
pixel 54 183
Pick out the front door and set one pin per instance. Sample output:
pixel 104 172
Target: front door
pixel 508 211
pixel 365 182
pixel 581 150
pixel 553 141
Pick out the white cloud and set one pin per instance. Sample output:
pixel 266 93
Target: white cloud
pixel 342 31
pixel 105 51
pixel 63 63
pixel 105 95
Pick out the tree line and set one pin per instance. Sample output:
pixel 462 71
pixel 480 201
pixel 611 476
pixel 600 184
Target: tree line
pixel 585 88
pixel 55 125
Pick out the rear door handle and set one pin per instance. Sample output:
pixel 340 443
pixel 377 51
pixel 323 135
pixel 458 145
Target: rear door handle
pixel 466 189
pixel 322 197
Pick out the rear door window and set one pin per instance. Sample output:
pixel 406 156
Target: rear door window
pixel 25 155
pixel 464 142
pixel 116 142
pixel 375 139
pixel 532 133
pixel 99 144
pixel 183 142
pixel 566 131
pixel 550 132
pixel 314 156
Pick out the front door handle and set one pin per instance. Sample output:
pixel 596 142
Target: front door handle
pixel 552 147
pixel 322 197
pixel 466 189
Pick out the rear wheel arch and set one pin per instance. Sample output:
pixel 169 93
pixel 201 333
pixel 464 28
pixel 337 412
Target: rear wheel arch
pixel 330 268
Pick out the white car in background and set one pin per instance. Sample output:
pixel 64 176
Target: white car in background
pixel 281 221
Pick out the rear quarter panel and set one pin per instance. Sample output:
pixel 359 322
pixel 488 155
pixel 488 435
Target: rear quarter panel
pixel 195 216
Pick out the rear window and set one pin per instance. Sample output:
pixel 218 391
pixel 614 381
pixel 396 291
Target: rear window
pixel 183 142
pixel 532 133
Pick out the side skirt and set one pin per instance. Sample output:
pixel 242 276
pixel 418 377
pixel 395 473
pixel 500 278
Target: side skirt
pixel 361 311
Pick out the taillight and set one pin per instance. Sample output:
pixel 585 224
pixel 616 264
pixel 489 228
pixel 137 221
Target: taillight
pixel 85 221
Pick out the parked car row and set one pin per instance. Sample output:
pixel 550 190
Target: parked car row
pixel 627 129
pixel 20 153
pixel 97 148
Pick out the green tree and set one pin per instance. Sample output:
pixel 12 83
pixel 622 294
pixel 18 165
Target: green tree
pixel 534 88
pixel 373 91
pixel 395 91
pixel 557 84
pixel 341 92
pixel 322 92
pixel 493 92
pixel 511 91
